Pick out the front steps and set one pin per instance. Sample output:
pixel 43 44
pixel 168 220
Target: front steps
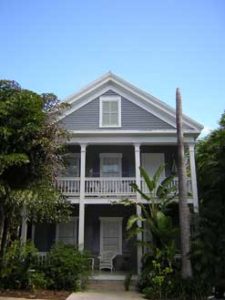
pixel 111 281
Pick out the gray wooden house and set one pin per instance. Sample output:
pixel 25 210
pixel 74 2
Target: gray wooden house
pixel 115 128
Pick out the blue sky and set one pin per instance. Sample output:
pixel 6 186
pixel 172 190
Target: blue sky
pixel 61 45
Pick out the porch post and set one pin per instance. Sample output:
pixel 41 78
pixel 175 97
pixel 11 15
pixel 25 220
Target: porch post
pixel 138 208
pixel 193 176
pixel 82 195
pixel 23 235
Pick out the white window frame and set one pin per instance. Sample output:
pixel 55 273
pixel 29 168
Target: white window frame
pixel 111 155
pixel 109 99
pixel 118 220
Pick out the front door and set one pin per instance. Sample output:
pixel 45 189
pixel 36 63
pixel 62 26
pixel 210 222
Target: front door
pixel 111 235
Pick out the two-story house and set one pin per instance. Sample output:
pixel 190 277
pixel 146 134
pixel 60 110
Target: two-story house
pixel 115 128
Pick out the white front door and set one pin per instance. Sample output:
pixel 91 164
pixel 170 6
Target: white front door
pixel 111 235
pixel 151 162
pixel 67 232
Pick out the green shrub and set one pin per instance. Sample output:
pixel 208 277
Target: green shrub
pixel 37 280
pixel 160 280
pixel 18 267
pixel 156 278
pixel 67 268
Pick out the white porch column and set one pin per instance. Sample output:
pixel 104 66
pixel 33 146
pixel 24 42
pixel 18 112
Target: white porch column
pixel 193 176
pixel 23 236
pixel 82 195
pixel 138 208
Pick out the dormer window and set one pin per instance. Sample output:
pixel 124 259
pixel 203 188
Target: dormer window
pixel 110 111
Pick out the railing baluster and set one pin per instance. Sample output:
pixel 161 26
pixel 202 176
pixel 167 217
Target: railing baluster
pixel 106 186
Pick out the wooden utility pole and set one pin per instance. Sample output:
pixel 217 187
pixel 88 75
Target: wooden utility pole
pixel 185 234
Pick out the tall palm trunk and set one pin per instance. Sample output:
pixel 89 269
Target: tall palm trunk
pixel 184 218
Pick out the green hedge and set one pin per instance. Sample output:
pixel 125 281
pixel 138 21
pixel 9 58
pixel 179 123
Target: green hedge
pixel 65 268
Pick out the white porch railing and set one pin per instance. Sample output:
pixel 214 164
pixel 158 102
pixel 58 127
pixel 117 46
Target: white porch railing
pixel 68 185
pixel 42 258
pixel 174 183
pixel 105 186
pixel 189 185
pixel 108 186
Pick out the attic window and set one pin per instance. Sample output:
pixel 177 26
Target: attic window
pixel 110 111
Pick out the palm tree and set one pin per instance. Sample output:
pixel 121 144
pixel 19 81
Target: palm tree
pixel 186 270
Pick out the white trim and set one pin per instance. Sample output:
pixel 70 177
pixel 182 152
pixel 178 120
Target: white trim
pixel 122 131
pixel 113 82
pixel 82 196
pixel 193 177
pixel 129 139
pixel 108 200
pixel 112 98
pixel 152 105
pixel 118 220
pixel 147 106
pixel 137 154
pixel 149 98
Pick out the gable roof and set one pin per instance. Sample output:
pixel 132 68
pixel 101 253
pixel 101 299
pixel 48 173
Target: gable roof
pixel 110 81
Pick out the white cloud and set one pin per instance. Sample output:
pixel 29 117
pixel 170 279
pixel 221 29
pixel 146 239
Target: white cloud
pixel 206 130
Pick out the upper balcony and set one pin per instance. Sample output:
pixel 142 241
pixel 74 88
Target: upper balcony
pixel 100 187
pixel 110 170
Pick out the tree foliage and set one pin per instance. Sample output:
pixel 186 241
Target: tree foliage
pixel 30 145
pixel 209 247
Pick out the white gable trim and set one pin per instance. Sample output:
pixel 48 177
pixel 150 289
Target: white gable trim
pixel 155 101
pixel 143 105
pixel 117 84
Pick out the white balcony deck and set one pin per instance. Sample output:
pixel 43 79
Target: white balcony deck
pixel 104 186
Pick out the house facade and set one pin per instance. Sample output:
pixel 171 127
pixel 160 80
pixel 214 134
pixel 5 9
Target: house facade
pixel 115 128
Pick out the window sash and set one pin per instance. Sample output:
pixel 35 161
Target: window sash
pixel 110 111
pixel 111 166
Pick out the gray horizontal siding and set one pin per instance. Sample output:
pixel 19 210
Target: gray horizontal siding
pixel 85 118
pixel 133 117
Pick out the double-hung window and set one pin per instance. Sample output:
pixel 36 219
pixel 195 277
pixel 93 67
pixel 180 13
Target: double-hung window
pixel 110 164
pixel 110 111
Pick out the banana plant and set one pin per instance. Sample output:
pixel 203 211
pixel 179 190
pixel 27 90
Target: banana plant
pixel 154 212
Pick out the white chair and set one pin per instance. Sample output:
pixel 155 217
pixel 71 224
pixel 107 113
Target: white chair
pixel 106 260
